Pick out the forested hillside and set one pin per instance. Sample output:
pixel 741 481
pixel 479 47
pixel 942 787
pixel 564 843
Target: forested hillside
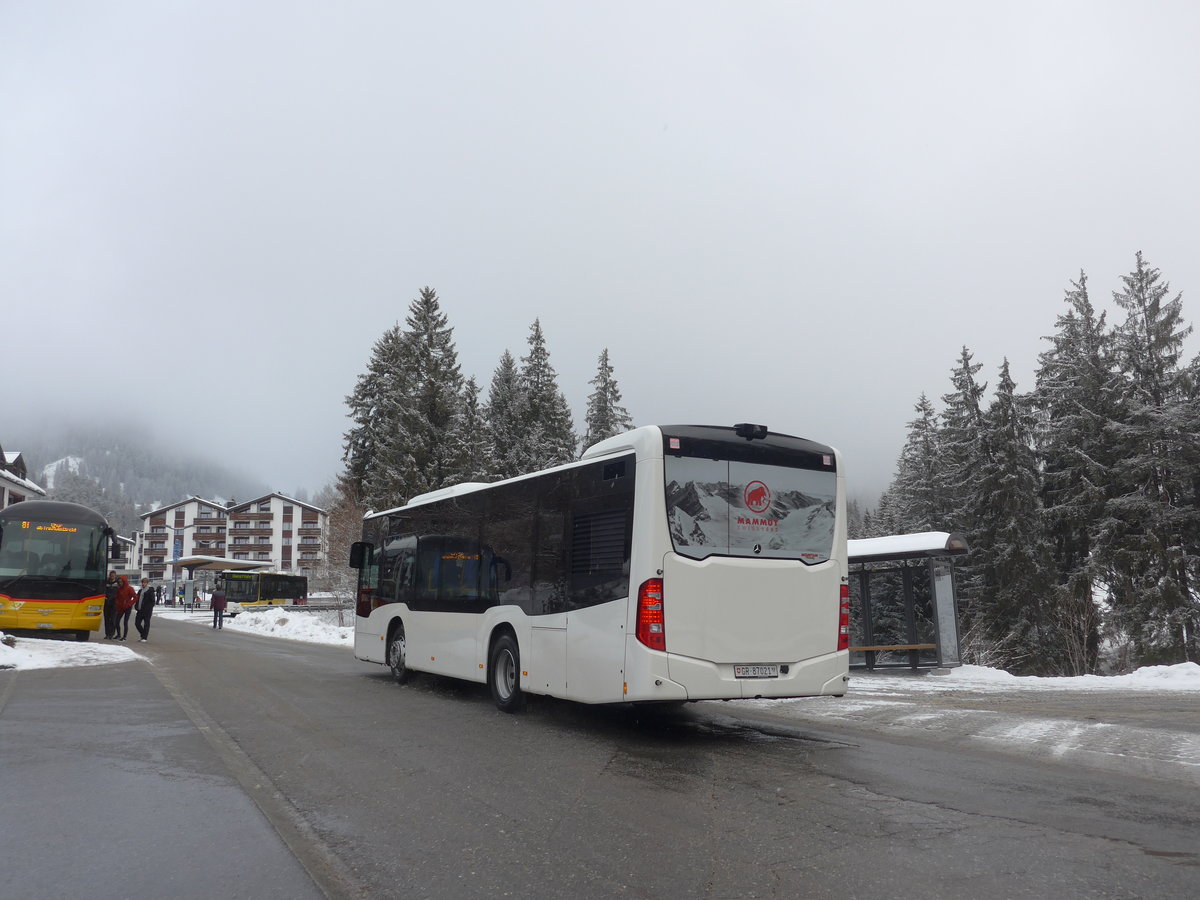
pixel 120 471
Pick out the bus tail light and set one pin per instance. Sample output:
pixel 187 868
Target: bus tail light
pixel 650 621
pixel 844 619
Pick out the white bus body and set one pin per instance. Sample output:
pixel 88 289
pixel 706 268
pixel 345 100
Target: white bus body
pixel 670 563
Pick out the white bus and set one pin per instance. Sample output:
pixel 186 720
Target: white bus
pixel 670 563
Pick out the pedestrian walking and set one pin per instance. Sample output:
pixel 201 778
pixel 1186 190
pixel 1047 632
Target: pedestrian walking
pixel 146 599
pixel 216 600
pixel 110 605
pixel 126 598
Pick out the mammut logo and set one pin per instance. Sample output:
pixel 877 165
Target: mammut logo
pixel 757 496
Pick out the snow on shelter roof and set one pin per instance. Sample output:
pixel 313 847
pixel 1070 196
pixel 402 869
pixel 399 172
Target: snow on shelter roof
pixel 217 562
pixel 907 546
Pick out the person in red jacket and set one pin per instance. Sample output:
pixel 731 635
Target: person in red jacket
pixel 126 598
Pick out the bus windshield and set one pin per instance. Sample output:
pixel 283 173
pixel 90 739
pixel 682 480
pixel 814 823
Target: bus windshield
pixel 240 587
pixel 751 509
pixel 58 549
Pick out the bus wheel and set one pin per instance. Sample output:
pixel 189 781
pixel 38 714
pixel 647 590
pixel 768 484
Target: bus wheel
pixel 504 674
pixel 82 635
pixel 396 655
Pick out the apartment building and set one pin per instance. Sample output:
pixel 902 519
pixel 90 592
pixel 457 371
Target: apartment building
pixel 284 534
pixel 288 533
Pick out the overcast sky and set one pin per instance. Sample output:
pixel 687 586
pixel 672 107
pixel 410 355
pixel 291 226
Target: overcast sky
pixel 788 213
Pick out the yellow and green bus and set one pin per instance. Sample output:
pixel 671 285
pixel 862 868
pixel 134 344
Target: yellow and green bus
pixel 53 564
pixel 251 590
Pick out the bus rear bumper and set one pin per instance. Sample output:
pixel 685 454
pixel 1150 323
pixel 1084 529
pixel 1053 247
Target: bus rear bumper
pixel 827 675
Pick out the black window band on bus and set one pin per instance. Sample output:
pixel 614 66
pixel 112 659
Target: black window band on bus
pixel 547 544
pixel 702 442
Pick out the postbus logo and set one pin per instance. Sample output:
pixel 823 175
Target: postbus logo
pixel 757 496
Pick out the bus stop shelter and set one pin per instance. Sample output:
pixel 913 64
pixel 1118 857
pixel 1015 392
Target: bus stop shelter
pixel 903 609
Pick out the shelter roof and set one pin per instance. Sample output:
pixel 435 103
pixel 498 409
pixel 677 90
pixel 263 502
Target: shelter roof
pixel 218 563
pixel 907 546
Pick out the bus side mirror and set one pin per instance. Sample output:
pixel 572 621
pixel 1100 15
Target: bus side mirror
pixel 360 554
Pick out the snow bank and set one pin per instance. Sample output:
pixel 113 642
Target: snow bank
pixel 43 653
pixel 1180 677
pixel 317 627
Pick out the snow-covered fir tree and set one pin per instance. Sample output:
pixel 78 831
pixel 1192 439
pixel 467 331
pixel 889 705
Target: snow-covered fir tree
pixel 425 450
pixel 1148 538
pixel 549 432
pixel 478 461
pixel 1014 624
pixel 369 405
pixel 962 449
pixel 1075 397
pixel 918 494
pixel 505 416
pixel 606 416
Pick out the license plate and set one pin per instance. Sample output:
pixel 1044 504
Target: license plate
pixel 45 624
pixel 756 671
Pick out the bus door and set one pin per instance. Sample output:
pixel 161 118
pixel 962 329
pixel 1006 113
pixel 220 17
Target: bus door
pixel 601 540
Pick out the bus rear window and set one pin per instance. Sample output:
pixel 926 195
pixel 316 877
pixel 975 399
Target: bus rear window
pixel 731 508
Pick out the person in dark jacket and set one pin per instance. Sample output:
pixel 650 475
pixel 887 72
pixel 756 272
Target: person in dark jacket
pixel 110 605
pixel 126 598
pixel 146 599
pixel 216 600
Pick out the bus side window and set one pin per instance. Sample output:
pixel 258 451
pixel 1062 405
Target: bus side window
pixel 404 575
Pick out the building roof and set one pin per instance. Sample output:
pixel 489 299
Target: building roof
pixel 191 499
pixel 24 483
pixel 241 507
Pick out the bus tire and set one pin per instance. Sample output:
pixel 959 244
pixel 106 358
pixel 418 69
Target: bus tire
pixel 504 674
pixel 82 635
pixel 397 654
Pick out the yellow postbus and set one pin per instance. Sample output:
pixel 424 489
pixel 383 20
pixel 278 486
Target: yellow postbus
pixel 252 590
pixel 53 563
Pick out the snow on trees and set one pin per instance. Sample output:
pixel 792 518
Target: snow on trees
pixel 606 417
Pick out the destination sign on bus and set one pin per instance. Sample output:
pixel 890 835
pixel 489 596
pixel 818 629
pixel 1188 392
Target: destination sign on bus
pixel 50 526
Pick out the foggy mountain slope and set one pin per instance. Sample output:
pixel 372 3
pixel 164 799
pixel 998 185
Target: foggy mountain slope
pixel 121 471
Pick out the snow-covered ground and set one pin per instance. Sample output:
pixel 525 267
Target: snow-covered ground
pixel 322 628
pixel 1058 718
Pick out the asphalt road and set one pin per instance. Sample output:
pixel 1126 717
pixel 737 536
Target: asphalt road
pixel 259 767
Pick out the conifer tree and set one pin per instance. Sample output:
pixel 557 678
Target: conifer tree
pixel 550 434
pixel 369 405
pixel 424 451
pixel 1075 396
pixel 918 490
pixel 1147 539
pixel 1013 622
pixel 505 417
pixel 606 417
pixel 963 453
pixel 478 463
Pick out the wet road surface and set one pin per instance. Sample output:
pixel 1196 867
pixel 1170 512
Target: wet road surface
pixel 427 791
